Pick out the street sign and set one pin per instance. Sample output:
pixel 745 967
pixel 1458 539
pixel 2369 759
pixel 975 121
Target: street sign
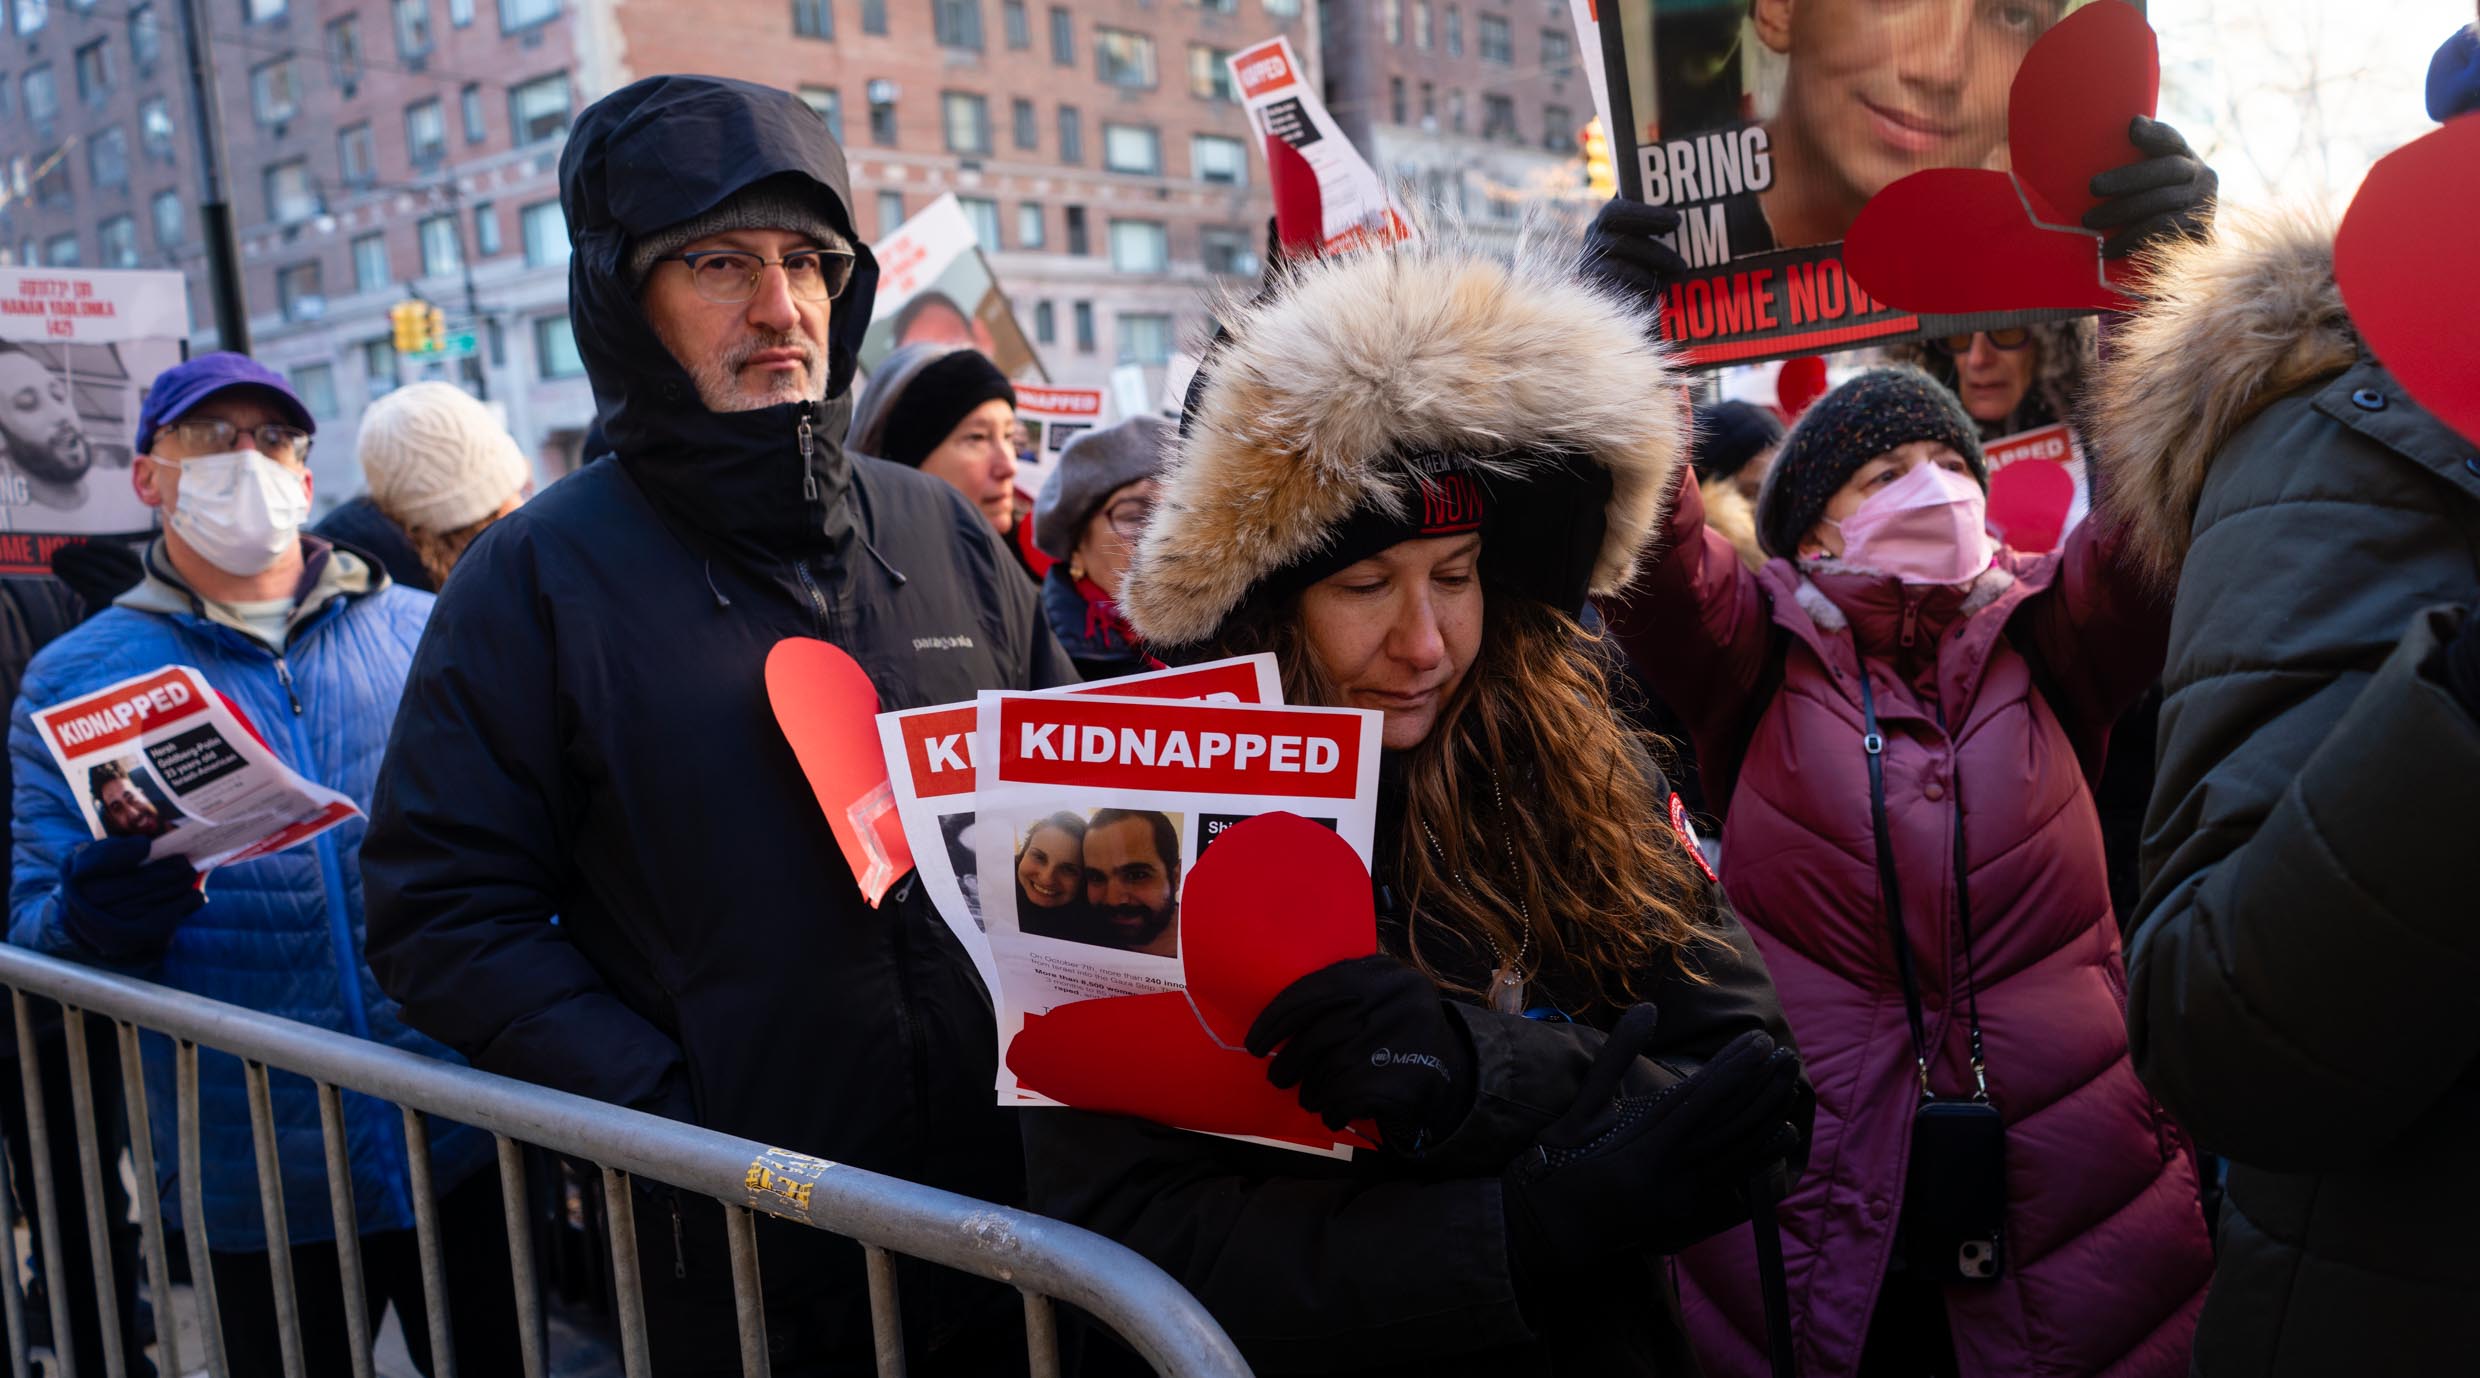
pixel 457 346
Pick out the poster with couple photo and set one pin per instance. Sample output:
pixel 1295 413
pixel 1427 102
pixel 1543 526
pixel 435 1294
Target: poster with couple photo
pixel 1769 124
pixel 1094 810
pixel 78 349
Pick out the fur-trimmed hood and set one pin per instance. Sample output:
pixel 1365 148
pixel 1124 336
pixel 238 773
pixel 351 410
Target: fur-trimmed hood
pixel 2230 325
pixel 1319 392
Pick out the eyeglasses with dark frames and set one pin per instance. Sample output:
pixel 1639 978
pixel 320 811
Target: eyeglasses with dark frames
pixel 210 435
pixel 731 276
pixel 2012 338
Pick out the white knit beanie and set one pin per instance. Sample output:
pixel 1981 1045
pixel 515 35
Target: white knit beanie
pixel 435 460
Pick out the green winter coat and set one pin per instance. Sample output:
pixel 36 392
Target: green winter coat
pixel 2309 941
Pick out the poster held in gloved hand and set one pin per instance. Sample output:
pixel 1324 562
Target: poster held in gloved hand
pixel 1327 197
pixel 165 757
pixel 1769 126
pixel 1052 417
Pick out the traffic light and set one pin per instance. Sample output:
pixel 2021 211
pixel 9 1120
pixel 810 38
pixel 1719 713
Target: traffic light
pixel 434 329
pixel 408 319
pixel 1599 175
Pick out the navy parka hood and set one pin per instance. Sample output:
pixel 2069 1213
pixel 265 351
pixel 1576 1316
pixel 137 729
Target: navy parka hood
pixel 649 156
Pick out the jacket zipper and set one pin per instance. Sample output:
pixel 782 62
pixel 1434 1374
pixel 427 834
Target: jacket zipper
pixel 284 676
pixel 1911 623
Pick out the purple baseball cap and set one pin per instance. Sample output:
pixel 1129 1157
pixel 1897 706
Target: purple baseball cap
pixel 192 381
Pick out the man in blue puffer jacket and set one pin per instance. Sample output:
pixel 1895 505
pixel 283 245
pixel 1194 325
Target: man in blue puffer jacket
pixel 312 641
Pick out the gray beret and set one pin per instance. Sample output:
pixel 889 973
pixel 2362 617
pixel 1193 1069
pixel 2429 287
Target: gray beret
pixel 759 207
pixel 1093 467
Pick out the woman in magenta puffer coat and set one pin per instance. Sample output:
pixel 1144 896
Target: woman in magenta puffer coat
pixel 1994 677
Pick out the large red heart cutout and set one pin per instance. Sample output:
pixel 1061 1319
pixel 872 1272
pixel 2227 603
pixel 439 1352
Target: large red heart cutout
pixel 1146 1056
pixel 1956 241
pixel 2403 262
pixel 1274 898
pixel 2073 98
pixel 828 710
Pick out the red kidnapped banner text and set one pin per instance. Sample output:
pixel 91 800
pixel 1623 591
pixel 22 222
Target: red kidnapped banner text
pixel 1203 749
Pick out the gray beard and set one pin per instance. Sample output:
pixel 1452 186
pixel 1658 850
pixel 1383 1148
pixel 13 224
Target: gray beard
pixel 718 381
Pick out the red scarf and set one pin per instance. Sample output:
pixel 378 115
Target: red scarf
pixel 1103 621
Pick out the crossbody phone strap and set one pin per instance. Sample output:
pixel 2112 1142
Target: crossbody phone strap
pixel 1890 892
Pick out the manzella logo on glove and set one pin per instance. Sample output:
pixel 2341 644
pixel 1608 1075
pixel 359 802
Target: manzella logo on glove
pixel 1928 527
pixel 240 510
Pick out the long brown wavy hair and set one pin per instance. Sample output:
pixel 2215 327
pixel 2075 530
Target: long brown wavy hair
pixel 1610 888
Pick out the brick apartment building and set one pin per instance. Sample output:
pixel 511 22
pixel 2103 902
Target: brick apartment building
pixel 377 147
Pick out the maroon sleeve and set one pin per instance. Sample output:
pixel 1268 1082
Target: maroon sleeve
pixel 2099 630
pixel 1695 622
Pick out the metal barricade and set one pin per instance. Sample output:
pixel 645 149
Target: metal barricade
pixel 1045 1260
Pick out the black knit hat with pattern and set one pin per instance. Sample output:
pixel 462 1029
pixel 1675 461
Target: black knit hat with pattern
pixel 1881 410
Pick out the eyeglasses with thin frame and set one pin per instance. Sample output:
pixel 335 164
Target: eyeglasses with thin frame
pixel 730 276
pixel 2012 338
pixel 210 435
pixel 1128 517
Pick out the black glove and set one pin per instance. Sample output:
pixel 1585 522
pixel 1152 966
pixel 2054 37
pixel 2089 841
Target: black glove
pixel 1370 1039
pixel 1620 250
pixel 121 906
pixel 97 571
pixel 2169 191
pixel 1651 1173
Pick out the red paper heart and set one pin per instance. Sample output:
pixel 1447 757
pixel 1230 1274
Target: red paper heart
pixel 2403 262
pixel 2028 504
pixel 1146 1056
pixel 828 710
pixel 1956 241
pixel 1273 899
pixel 2073 98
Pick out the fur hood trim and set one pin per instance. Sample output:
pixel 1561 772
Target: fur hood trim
pixel 2230 325
pixel 1319 389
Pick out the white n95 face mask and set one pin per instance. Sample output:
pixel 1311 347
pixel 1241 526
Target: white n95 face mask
pixel 240 510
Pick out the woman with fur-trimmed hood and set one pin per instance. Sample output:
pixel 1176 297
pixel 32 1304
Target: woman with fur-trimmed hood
pixel 1402 475
pixel 1912 716
pixel 2302 969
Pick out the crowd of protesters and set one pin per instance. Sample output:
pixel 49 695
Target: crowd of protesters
pixel 1892 1011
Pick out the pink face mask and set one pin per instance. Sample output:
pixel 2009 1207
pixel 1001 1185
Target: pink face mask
pixel 1928 527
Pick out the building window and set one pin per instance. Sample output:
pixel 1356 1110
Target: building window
pixel 32 15
pixel 1071 136
pixel 1122 58
pixel 379 365
pixel 1220 160
pixel 1021 120
pixel 1558 54
pixel 983 214
pixel 486 230
pixel 1498 118
pixel 41 95
pixel 525 14
pixel 829 103
pixel 315 385
pixel 1393 10
pixel 1558 128
pixel 155 127
pixel 344 50
pixel 460 14
pixel 1132 148
pixel 1498 43
pixel 538 109
pixel 116 242
pixel 371 270
pixel 1144 338
pixel 469 112
pixel 1063 36
pixel 426 134
pixel 883 113
pixel 1429 105
pixel 1219 6
pixel 544 229
pixel 1395 100
pixel 890 211
pixel 273 96
pixel 297 291
pixel 413 28
pixel 967 120
pixel 94 72
pixel 874 16
pixel 555 349
pixel 167 214
pixel 1140 246
pixel 1032 227
pixel 290 198
pixel 1209 73
pixel 1421 32
pixel 1227 250
pixel 146 36
pixel 261 11
pixel 1283 9
pixel 51 183
pixel 443 249
pixel 1018 22
pixel 1084 313
pixel 1045 323
pixel 813 19
pixel 107 161
pixel 61 250
pixel 958 23
pixel 1455 109
pixel 1079 243
pixel 357 155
